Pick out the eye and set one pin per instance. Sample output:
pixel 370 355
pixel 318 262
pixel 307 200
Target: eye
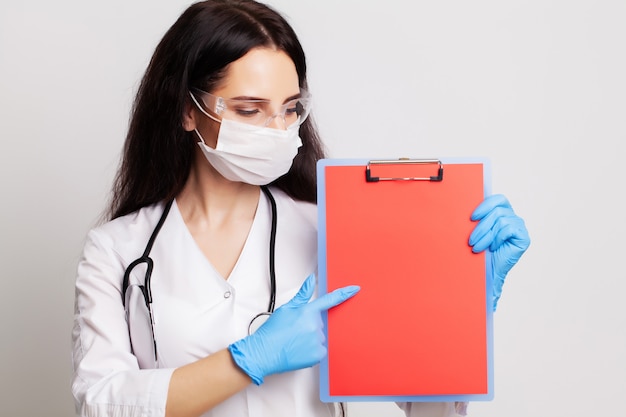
pixel 294 108
pixel 247 109
pixel 247 112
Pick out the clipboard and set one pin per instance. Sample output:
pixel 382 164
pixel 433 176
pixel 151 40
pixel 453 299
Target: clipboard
pixel 421 328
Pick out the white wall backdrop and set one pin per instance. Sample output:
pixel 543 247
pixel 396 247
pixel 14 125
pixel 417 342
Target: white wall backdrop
pixel 537 86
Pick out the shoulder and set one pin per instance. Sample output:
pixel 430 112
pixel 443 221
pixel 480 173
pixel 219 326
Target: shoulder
pixel 107 252
pixel 295 212
pixel 129 233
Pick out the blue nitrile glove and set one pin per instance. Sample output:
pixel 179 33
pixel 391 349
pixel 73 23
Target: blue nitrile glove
pixel 292 338
pixel 504 233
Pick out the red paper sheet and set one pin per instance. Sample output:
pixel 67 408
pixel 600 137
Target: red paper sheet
pixel 418 325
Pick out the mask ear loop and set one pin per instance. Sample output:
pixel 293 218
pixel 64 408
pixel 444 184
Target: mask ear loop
pixel 193 98
pixel 200 136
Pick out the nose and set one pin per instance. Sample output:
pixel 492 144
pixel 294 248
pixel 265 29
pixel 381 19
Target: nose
pixel 276 121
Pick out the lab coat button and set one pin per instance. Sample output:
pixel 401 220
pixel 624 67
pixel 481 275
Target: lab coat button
pixel 227 294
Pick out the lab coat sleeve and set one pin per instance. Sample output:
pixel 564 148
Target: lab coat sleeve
pixel 107 380
pixel 433 409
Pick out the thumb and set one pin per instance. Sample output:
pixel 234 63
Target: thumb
pixel 304 294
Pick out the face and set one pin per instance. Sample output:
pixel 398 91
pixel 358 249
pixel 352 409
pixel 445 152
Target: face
pixel 262 73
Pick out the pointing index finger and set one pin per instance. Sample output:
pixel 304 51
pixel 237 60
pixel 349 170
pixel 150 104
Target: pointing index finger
pixel 334 298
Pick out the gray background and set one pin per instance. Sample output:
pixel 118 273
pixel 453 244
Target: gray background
pixel 536 86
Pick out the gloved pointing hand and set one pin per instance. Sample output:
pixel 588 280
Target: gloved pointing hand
pixel 292 338
pixel 504 233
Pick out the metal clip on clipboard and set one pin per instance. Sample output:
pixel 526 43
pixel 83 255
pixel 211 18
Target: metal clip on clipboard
pixel 403 161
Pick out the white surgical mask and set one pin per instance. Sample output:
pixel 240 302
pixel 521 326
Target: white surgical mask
pixel 252 154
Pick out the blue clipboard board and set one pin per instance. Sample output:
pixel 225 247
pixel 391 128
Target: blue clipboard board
pixel 399 229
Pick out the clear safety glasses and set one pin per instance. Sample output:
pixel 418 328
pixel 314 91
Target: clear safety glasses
pixel 253 112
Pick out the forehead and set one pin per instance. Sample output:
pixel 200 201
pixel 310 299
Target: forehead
pixel 262 73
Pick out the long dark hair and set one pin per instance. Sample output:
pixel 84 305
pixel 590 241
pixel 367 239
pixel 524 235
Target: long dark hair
pixel 195 52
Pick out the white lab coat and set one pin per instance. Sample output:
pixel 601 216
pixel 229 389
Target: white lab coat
pixel 196 312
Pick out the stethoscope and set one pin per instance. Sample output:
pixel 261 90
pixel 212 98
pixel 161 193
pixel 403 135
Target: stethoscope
pixel 256 321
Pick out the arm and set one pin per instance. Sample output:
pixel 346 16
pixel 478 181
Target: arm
pixel 107 378
pixel 201 385
pixel 291 339
pixel 108 381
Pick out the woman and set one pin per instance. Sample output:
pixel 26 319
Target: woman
pixel 222 111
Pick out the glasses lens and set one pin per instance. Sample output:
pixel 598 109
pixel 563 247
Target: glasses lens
pixel 296 111
pixel 258 112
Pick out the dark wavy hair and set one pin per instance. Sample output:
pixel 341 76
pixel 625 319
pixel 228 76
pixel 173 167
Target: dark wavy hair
pixel 195 52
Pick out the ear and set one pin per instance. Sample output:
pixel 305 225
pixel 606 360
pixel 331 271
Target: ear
pixel 189 117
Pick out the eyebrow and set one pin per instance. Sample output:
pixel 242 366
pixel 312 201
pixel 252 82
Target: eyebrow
pixel 288 99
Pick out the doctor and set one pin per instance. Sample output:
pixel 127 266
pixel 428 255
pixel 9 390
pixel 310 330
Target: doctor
pixel 170 293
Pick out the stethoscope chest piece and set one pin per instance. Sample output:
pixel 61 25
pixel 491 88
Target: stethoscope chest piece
pixel 258 321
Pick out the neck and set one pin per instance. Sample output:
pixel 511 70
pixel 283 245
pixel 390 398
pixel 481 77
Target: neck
pixel 208 198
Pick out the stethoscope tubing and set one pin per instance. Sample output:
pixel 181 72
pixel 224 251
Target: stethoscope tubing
pixel 145 258
pixel 272 303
